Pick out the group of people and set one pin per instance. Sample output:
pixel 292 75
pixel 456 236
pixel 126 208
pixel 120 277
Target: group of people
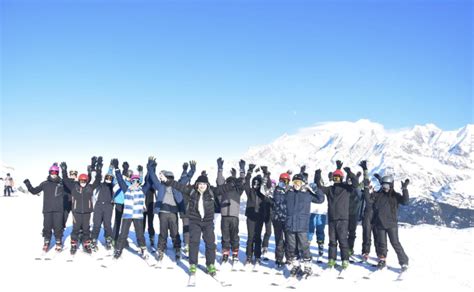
pixel 294 207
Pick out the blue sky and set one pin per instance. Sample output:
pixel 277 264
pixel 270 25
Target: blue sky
pixel 200 79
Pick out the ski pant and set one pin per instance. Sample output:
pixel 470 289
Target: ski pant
pixel 280 241
pixel 268 233
pixel 168 221
pixel 254 237
pixel 382 244
pixel 53 221
pixel 196 228
pixel 102 214
pixel 7 191
pixel 300 239
pixel 368 229
pixel 81 221
pixel 338 233
pixel 317 222
pixel 353 219
pixel 138 226
pixel 148 217
pixel 185 230
pixel 230 233
pixel 118 221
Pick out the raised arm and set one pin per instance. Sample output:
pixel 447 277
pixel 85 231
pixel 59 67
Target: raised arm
pixel 248 177
pixel 118 175
pixel 69 183
pixel 31 189
pixel 317 181
pixel 184 189
pixel 405 198
pixel 317 195
pixel 220 168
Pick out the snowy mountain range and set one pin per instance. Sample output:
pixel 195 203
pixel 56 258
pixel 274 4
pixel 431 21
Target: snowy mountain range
pixel 438 163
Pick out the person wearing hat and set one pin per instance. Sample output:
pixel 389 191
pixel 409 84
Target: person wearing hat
pixel 169 202
pixel 338 196
pixel 201 206
pixel 134 205
pixel 298 208
pixel 53 208
pixel 82 207
pixel 385 207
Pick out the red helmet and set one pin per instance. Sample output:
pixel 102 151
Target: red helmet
pixel 338 172
pixel 285 176
pixel 83 177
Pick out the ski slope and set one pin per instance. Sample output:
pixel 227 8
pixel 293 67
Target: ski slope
pixel 440 260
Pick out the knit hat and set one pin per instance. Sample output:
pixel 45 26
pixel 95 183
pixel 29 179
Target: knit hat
pixel 202 179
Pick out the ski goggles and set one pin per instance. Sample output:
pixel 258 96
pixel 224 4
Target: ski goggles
pixel 54 172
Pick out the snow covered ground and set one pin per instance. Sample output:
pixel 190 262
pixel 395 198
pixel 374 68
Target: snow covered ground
pixel 440 260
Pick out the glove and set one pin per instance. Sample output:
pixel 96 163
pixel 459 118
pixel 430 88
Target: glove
pixel 233 172
pixel 99 164
pixel 63 166
pixel 220 163
pixel 257 170
pixel 242 165
pixel 363 164
pixel 330 176
pixel 317 175
pixel 89 168
pixel 140 168
pixel 149 165
pixel 347 170
pixel 303 169
pixel 125 166
pixel 27 182
pixel 115 163
pixel 289 172
pixel 251 167
pixel 405 184
pixel 264 169
pixel 378 177
pixel 338 164
pixel 100 160
pixel 192 163
pixel 93 162
pixel 185 167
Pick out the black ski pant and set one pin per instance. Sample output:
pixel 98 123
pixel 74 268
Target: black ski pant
pixel 168 222
pixel 368 229
pixel 81 221
pixel 53 221
pixel 268 233
pixel 230 233
pixel 7 191
pixel 352 232
pixel 338 231
pixel 206 228
pixel 125 228
pixel 280 242
pixel 102 215
pixel 382 244
pixel 185 220
pixel 254 237
pixel 148 217
pixel 297 242
pixel 117 221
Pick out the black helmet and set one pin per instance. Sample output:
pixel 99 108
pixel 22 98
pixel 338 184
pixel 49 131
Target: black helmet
pixel 298 177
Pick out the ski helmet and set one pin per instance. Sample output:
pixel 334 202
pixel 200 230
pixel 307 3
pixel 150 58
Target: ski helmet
pixel 83 177
pixel 73 172
pixel 387 179
pixel 135 177
pixel 285 176
pixel 338 172
pixel 298 177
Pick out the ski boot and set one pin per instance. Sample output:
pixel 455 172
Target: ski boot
pixel 143 253
pixel 117 253
pixel 345 264
pixel 108 243
pixel 211 270
pixel 264 253
pixel 177 253
pixel 94 246
pixel 59 246
pixel 161 254
pixel 320 248
pixel 404 268
pixel 295 270
pixel 248 261
pixel 46 245
pixel 87 247
pixel 365 257
pixel 258 261
pixel 382 264
pixel 331 263
pixel 279 265
pixel 73 247
pixel 152 243
pixel 225 256
pixel 307 272
pixel 192 269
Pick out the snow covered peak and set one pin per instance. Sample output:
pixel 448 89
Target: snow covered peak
pixel 437 162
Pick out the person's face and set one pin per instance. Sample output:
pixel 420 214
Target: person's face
pixel 298 184
pixel 337 179
pixel 202 187
pixel 386 187
pixel 256 184
pixel 82 183
pixel 53 174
